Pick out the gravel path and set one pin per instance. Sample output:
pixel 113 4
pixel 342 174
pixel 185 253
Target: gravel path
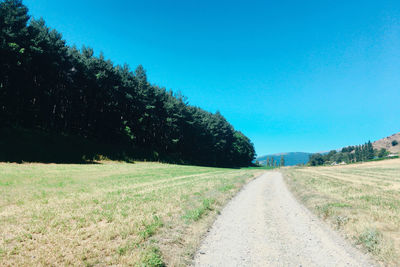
pixel 264 225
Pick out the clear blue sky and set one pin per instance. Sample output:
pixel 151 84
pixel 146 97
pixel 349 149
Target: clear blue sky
pixel 291 75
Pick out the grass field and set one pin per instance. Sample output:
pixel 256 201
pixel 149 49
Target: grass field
pixel 143 214
pixel 360 200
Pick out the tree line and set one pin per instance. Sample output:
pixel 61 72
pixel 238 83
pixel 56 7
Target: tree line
pixel 348 154
pixel 49 86
pixel 272 162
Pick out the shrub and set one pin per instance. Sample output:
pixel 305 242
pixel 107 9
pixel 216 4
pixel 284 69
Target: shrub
pixel 382 153
pixel 152 258
pixel 395 143
pixel 370 239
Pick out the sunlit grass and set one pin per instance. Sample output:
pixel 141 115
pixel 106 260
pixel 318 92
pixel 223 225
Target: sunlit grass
pixel 109 213
pixel 361 200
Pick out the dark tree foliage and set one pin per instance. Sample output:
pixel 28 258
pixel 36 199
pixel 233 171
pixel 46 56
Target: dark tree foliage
pixel 348 149
pixel 46 85
pixel 316 159
pixel 382 153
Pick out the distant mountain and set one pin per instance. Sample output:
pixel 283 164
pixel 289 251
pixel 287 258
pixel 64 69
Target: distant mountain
pixel 390 143
pixel 291 158
pixel 387 143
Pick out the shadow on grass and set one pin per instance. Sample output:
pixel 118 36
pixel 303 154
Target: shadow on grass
pixel 21 145
pixel 34 145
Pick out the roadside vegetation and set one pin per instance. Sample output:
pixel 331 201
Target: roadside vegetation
pixel 361 200
pixel 110 213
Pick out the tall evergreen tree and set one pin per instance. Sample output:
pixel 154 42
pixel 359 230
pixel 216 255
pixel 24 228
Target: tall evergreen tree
pixel 370 151
pixel 357 154
pixel 14 41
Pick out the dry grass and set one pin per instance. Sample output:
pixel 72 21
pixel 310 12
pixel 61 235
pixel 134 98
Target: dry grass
pixel 386 143
pixel 144 214
pixel 360 200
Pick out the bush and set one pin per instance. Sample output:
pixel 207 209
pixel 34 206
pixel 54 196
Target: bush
pixel 370 239
pixel 316 160
pixel 152 257
pixel 382 153
pixel 395 143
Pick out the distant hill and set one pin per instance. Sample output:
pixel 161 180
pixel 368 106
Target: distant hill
pixel 387 143
pixel 291 158
pixel 294 158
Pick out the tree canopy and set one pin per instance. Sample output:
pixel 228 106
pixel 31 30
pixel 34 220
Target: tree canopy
pixel 49 86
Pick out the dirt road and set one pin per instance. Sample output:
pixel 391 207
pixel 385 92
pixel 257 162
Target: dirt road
pixel 264 225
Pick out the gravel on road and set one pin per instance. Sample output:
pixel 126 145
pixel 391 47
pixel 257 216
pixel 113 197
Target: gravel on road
pixel 264 225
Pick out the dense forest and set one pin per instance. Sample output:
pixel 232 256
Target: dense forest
pixel 348 154
pixel 52 91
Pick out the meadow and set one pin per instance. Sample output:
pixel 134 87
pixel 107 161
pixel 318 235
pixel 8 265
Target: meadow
pixel 141 214
pixel 362 201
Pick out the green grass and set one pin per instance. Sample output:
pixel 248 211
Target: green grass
pixel 263 167
pixel 362 200
pixel 371 240
pixel 196 213
pixel 152 257
pixel 144 214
